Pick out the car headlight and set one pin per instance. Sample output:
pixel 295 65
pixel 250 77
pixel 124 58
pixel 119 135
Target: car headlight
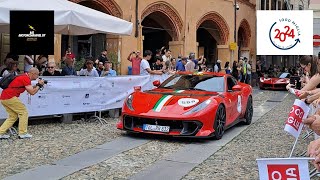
pixel 129 102
pixel 199 107
pixel 261 80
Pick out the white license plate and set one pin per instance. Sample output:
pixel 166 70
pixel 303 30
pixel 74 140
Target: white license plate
pixel 148 127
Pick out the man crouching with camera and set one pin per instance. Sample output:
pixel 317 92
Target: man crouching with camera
pixel 14 107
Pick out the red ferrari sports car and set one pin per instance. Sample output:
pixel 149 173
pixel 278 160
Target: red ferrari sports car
pixel 197 105
pixel 276 83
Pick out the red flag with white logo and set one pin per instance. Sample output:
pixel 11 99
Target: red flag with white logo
pixel 298 112
pixel 284 168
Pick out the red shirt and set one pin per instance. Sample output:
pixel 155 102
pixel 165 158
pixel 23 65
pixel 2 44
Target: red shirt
pixel 136 65
pixel 16 87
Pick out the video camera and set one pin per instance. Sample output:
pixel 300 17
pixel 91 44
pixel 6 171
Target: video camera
pixel 45 81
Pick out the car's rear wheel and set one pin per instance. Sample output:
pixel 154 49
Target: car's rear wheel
pixel 219 122
pixel 249 112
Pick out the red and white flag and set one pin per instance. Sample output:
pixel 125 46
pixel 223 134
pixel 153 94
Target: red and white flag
pixel 284 168
pixel 298 112
pixel 295 92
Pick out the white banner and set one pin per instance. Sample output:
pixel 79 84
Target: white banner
pixel 298 112
pixel 64 95
pixel 284 168
pixel 285 32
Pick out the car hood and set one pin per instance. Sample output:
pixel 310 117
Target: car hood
pixel 169 101
pixel 275 80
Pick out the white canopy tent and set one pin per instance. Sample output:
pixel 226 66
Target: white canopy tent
pixel 69 18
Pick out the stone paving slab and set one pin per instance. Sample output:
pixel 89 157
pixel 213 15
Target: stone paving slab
pixel 47 172
pixel 74 163
pixel 86 158
pixel 168 170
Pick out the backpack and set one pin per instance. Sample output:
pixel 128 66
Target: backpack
pixel 6 80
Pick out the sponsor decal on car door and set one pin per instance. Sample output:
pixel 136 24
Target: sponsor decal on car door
pixel 239 104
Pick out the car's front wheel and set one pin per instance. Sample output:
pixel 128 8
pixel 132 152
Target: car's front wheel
pixel 249 112
pixel 219 122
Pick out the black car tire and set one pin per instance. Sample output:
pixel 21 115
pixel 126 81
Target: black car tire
pixel 219 122
pixel 249 112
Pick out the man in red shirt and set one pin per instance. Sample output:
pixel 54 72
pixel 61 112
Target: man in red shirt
pixel 135 59
pixel 69 54
pixel 15 108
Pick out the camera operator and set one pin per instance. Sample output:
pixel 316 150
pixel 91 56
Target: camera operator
pixel 135 59
pixel 14 107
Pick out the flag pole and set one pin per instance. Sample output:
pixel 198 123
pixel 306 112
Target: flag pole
pixel 294 145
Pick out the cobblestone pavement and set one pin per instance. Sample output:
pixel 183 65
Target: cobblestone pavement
pixel 51 142
pixel 236 160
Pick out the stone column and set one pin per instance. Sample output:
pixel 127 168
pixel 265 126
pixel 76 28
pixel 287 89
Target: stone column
pixel 113 48
pixel 176 48
pixel 56 57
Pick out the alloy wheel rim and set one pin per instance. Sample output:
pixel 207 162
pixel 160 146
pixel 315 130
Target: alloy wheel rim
pixel 221 121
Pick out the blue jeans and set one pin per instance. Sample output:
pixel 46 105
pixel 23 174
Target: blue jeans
pixel 248 79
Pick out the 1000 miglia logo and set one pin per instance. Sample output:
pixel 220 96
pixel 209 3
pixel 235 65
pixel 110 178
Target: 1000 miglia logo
pixel 285 34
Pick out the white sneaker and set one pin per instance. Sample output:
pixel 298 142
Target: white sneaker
pixel 24 136
pixel 4 136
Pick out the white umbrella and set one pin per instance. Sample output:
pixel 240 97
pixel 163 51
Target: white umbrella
pixel 69 18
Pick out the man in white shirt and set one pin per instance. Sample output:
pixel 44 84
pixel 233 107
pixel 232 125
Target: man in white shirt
pixel 145 67
pixel 167 56
pixel 89 71
pixel 190 65
pixel 217 66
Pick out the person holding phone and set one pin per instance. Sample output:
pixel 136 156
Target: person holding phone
pixel 135 59
pixel 310 67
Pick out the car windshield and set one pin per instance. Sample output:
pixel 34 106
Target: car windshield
pixel 284 75
pixel 194 82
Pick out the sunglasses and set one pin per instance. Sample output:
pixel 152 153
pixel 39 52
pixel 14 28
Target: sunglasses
pixel 50 67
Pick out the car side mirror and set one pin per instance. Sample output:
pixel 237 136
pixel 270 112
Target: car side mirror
pixel 237 88
pixel 137 88
pixel 156 83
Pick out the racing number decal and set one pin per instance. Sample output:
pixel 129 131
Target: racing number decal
pixel 239 104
